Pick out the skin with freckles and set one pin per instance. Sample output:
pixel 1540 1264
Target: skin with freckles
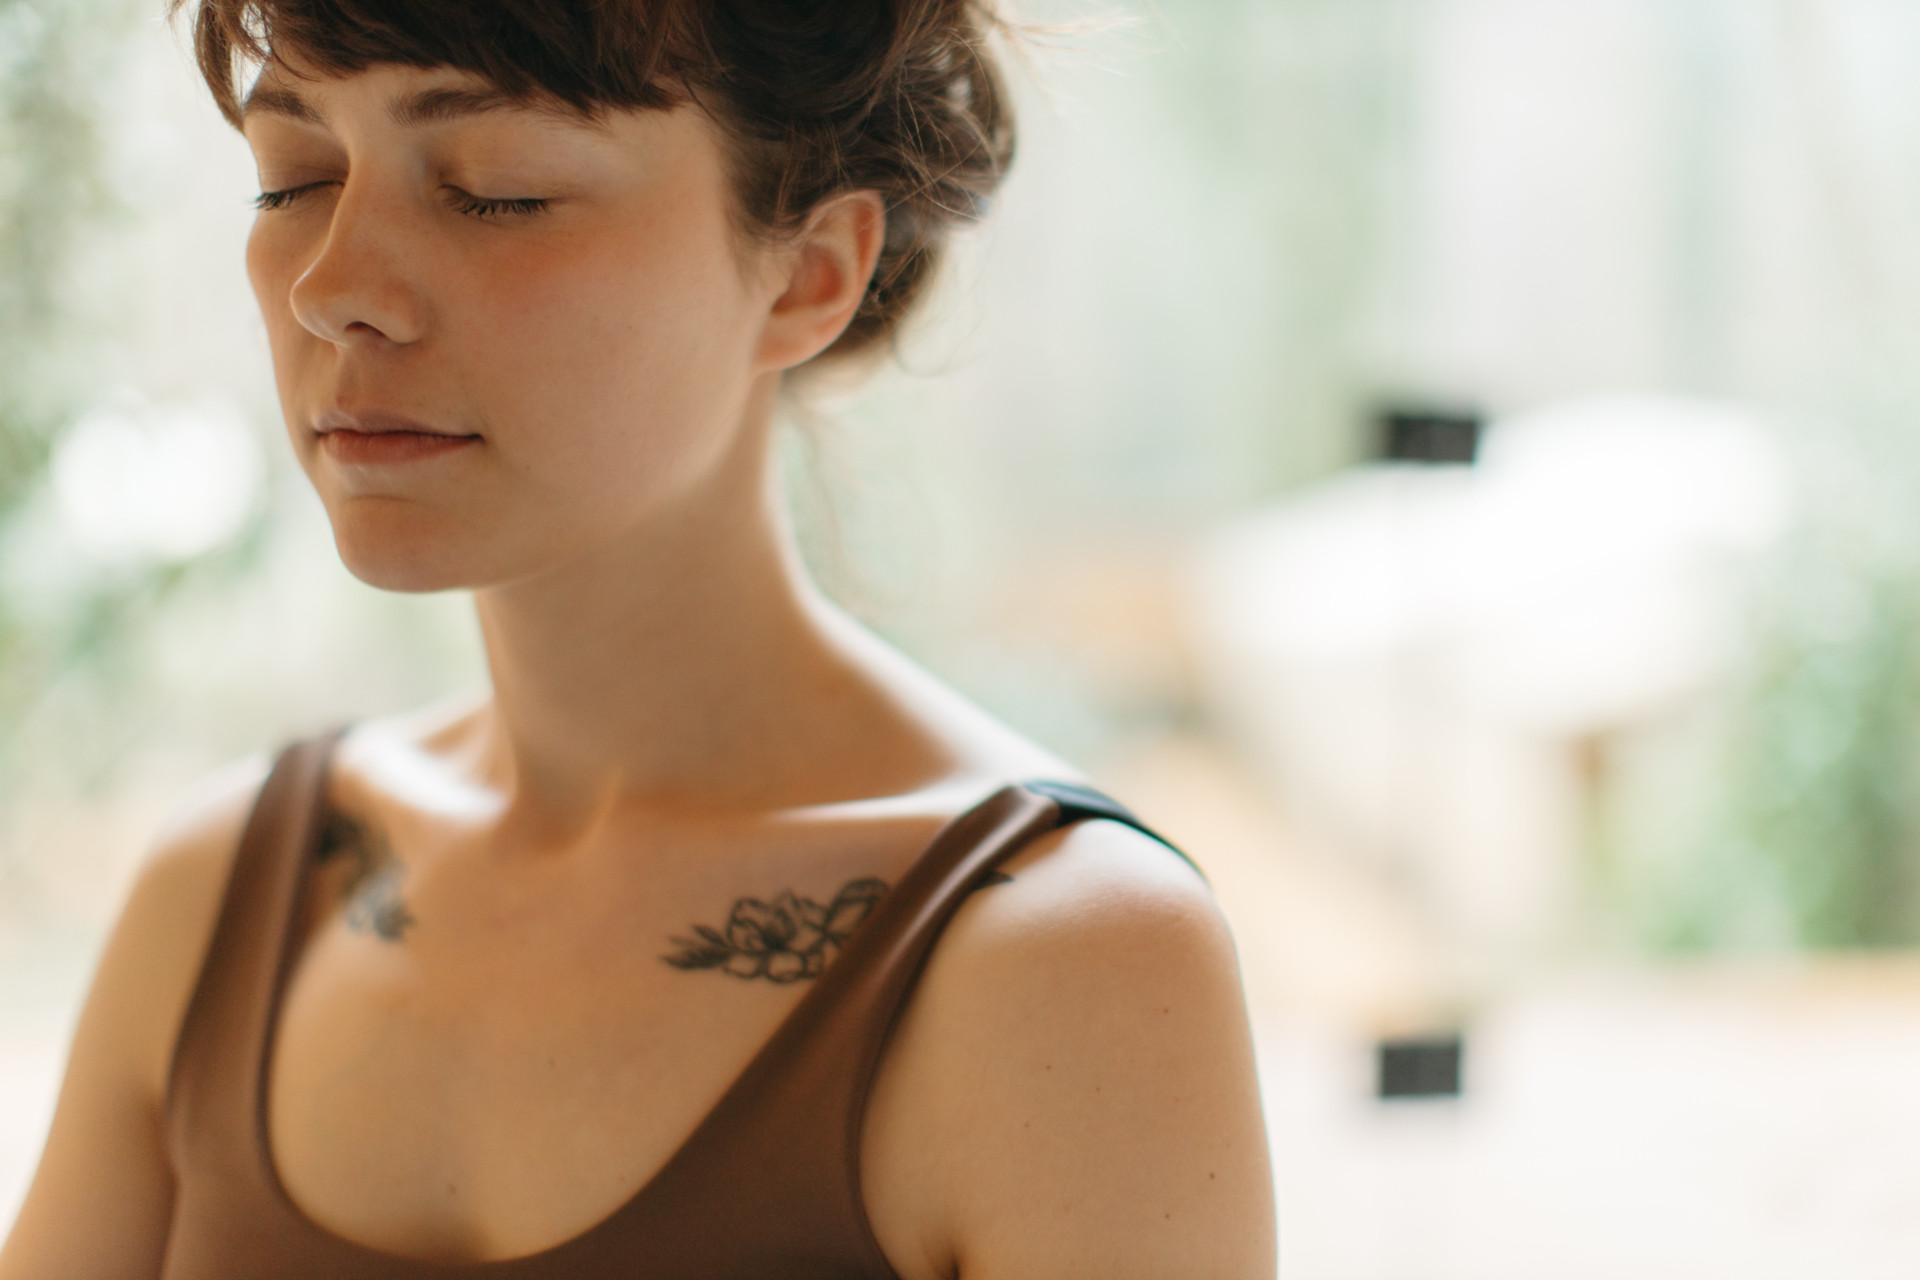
pixel 531 354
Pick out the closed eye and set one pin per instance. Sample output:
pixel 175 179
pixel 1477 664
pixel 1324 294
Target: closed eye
pixel 267 201
pixel 462 201
pixel 488 207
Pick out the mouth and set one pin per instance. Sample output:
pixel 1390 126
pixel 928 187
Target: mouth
pixel 384 439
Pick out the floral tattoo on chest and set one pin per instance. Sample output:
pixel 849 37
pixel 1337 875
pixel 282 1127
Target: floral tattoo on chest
pixel 784 940
pixel 788 939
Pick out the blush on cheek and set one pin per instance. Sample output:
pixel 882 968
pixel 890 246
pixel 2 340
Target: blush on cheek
pixel 625 348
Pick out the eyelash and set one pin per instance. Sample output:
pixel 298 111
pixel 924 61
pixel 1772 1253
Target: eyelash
pixel 462 202
pixel 268 201
pixel 486 207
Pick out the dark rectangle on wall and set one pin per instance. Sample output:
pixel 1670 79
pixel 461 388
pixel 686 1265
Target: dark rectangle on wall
pixel 1428 1067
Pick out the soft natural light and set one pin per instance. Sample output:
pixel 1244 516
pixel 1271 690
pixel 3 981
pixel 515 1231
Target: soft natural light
pixel 140 482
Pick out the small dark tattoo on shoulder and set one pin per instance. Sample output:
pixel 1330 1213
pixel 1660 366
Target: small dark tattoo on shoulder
pixel 785 940
pixel 371 885
pixel 376 907
pixel 993 878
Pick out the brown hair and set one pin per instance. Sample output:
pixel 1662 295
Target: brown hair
pixel 816 97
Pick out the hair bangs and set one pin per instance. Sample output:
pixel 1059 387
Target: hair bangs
pixel 618 54
pixel 814 97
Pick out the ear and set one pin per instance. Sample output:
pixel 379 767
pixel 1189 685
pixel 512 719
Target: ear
pixel 828 266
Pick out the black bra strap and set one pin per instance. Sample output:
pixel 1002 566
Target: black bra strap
pixel 1078 803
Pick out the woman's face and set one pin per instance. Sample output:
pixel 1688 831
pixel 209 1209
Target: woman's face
pixel 503 335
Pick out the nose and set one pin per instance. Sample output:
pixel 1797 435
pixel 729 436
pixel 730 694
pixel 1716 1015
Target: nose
pixel 361 287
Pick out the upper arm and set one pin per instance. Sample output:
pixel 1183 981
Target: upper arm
pixel 1071 1091
pixel 102 1197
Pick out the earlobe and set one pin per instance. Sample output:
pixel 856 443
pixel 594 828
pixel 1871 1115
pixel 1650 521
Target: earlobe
pixel 832 261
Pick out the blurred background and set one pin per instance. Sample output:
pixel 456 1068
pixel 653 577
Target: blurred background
pixel 1452 464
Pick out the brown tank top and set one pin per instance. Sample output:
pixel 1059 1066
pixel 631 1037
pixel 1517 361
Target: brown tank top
pixel 767 1185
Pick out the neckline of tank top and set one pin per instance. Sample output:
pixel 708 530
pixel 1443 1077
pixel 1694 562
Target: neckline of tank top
pixel 1074 802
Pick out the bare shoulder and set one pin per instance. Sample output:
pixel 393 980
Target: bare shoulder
pixel 99 1202
pixel 203 829
pixel 1078 1054
pixel 156 949
pixel 1086 879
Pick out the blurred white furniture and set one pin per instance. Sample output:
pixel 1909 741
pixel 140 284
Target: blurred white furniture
pixel 1424 659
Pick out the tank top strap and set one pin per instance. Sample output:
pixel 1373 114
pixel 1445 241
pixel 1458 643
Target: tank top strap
pixel 1079 802
pixel 214 1095
pixel 779 1156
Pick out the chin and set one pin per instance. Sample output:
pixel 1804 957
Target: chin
pixel 396 547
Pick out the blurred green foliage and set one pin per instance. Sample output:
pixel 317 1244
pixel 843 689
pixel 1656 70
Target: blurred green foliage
pixel 1806 829
pixel 1825 767
pixel 52 191
pixel 1824 775
pixel 57 58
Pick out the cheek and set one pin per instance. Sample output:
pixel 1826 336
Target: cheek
pixel 268 254
pixel 273 258
pixel 260 257
pixel 629 348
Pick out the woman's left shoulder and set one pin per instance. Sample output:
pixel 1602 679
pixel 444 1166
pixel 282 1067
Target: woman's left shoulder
pixel 1088 881
pixel 1079 1056
pixel 1098 935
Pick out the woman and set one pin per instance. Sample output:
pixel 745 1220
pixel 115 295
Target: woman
pixel 609 972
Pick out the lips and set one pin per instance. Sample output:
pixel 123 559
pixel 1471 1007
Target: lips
pixel 384 439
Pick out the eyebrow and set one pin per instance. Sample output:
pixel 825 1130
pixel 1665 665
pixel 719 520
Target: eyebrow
pixel 427 106
pixel 272 100
pixel 436 106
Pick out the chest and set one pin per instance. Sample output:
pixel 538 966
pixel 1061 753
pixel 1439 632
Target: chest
pixel 476 1066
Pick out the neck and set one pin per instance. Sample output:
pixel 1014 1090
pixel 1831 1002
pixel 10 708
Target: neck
pixel 689 663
